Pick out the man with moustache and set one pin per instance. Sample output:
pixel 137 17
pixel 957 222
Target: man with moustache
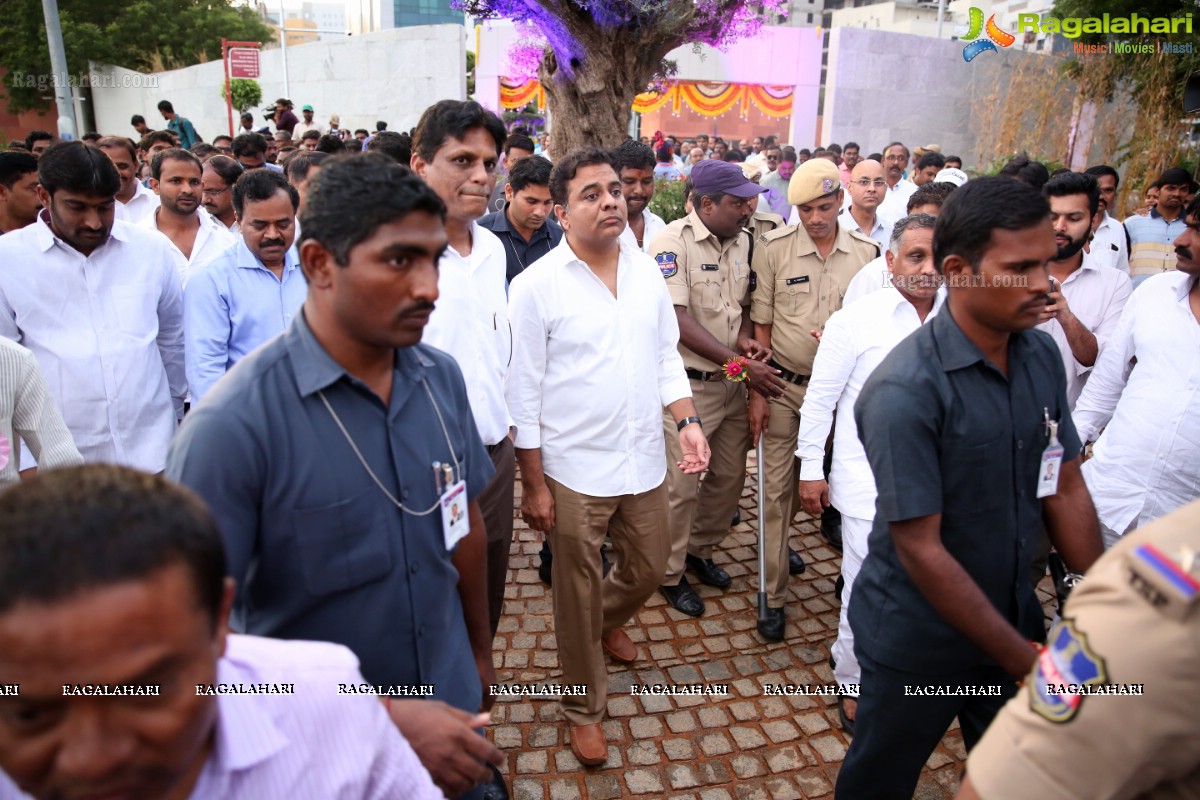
pixel 1151 248
pixel 635 165
pixel 197 236
pixel 315 456
pixel 217 178
pixel 1086 298
pixel 135 202
pixel 1142 395
pixel 456 147
pixel 705 259
pixel 252 291
pixel 1110 243
pixel 776 184
pixel 98 302
pixel 959 422
pixel 19 203
pixel 895 198
pixel 587 398
pixel 855 341
pixel 867 188
pixel 525 225
pixel 801 274
pixel 850 155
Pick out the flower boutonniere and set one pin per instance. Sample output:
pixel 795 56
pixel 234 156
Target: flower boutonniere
pixel 735 369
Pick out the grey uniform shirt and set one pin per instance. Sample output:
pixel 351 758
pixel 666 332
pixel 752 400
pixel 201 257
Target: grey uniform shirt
pixel 947 433
pixel 318 551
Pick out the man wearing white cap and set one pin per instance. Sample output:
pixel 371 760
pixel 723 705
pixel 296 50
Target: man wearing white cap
pixel 801 274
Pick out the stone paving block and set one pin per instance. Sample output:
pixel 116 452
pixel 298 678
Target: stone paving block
pixel 748 738
pixel 747 766
pixel 535 762
pixel 813 784
pixel 645 727
pixel 681 776
pixel 622 706
pixel 527 789
pixel 780 731
pixel 644 754
pixel 785 759
pixel 655 704
pixel 811 723
pixel 749 792
pixel 830 748
pixel 713 717
pixel 679 749
pixel 506 737
pixel 744 712
pixel 643 781
pixel 565 761
pixel 783 789
pixel 716 744
pixel 681 722
pixel 684 673
pixel 565 789
pixel 716 671
pixel 604 786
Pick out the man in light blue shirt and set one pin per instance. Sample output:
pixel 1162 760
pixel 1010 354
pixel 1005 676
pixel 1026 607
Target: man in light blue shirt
pixel 251 292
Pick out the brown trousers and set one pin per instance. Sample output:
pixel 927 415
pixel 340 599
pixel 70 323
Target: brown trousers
pixel 701 509
pixel 496 506
pixel 587 606
pixel 781 476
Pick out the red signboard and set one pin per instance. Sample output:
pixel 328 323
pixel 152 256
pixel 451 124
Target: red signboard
pixel 243 62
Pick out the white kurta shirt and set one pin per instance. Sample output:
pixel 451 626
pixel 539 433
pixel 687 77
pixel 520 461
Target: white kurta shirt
pixel 856 339
pixel 212 239
pixel 654 224
pixel 470 322
pixel 1109 245
pixel 1147 462
pixel 592 372
pixel 107 330
pixel 1096 295
pixel 140 206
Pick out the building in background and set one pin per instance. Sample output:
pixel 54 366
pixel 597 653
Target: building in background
pixel 365 16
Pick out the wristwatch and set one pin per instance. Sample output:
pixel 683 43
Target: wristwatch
pixel 683 423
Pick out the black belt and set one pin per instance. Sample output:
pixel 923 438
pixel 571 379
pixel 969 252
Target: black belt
pixel 788 375
pixel 697 375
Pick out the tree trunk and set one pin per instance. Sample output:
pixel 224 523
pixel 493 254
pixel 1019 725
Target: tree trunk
pixel 590 100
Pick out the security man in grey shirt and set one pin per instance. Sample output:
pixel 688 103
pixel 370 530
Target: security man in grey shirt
pixel 969 436
pixel 339 458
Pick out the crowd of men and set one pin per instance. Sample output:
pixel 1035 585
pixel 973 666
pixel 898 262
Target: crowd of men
pixel 303 384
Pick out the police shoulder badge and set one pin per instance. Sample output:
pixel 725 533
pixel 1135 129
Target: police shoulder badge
pixel 1064 670
pixel 666 264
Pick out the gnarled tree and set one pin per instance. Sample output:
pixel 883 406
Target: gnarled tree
pixel 600 54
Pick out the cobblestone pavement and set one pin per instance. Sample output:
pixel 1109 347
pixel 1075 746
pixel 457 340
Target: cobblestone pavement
pixel 744 745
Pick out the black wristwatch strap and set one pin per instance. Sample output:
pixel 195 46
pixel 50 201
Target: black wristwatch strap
pixel 683 423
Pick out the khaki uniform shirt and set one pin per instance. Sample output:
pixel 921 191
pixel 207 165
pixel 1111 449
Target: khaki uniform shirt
pixel 708 278
pixel 796 290
pixel 1132 625
pixel 763 222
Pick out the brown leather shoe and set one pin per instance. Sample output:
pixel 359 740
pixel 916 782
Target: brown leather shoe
pixel 587 743
pixel 617 645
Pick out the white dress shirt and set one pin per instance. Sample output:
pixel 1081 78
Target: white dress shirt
pixel 107 330
pixel 1147 462
pixel 1096 295
pixel 881 233
pixel 874 276
pixel 856 339
pixel 592 372
pixel 1109 245
pixel 140 206
pixel 470 322
pixel 27 411
pixel 318 741
pixel 212 239
pixel 653 224
pixel 895 199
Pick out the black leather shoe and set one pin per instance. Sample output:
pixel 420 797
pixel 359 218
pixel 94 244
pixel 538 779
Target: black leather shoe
pixel 737 517
pixel 684 598
pixel 838 586
pixel 772 628
pixel 795 562
pixel 544 567
pixel 708 572
pixel 495 789
pixel 831 527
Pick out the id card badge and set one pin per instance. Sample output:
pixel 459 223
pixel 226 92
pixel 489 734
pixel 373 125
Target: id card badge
pixel 456 521
pixel 1051 464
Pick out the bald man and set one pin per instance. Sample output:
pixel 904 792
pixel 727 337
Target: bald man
pixel 867 190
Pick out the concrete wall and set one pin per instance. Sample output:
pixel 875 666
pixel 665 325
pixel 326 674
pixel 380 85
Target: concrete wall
pixel 778 56
pixel 391 75
pixel 883 87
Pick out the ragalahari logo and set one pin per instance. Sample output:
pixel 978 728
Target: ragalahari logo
pixel 995 36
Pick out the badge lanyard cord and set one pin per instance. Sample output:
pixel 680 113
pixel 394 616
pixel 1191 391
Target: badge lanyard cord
pixel 371 472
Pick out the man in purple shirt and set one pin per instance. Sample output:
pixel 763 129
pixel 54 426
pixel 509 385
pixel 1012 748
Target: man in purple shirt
pixel 118 678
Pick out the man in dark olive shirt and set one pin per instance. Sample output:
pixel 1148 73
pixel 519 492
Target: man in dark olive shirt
pixel 325 454
pixel 958 423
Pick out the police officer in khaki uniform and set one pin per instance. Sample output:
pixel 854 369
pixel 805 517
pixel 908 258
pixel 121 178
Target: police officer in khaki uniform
pixel 764 220
pixel 705 258
pixel 802 272
pixel 1132 624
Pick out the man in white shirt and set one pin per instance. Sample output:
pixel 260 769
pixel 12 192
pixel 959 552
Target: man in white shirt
pixel 895 199
pixel 114 363
pixel 1086 299
pixel 876 275
pixel 307 124
pixel 138 607
pixel 1110 243
pixel 854 342
pixel 134 201
pixel 199 238
pixel 1146 389
pixel 455 150
pixel 595 360
pixel 866 193
pixel 634 163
